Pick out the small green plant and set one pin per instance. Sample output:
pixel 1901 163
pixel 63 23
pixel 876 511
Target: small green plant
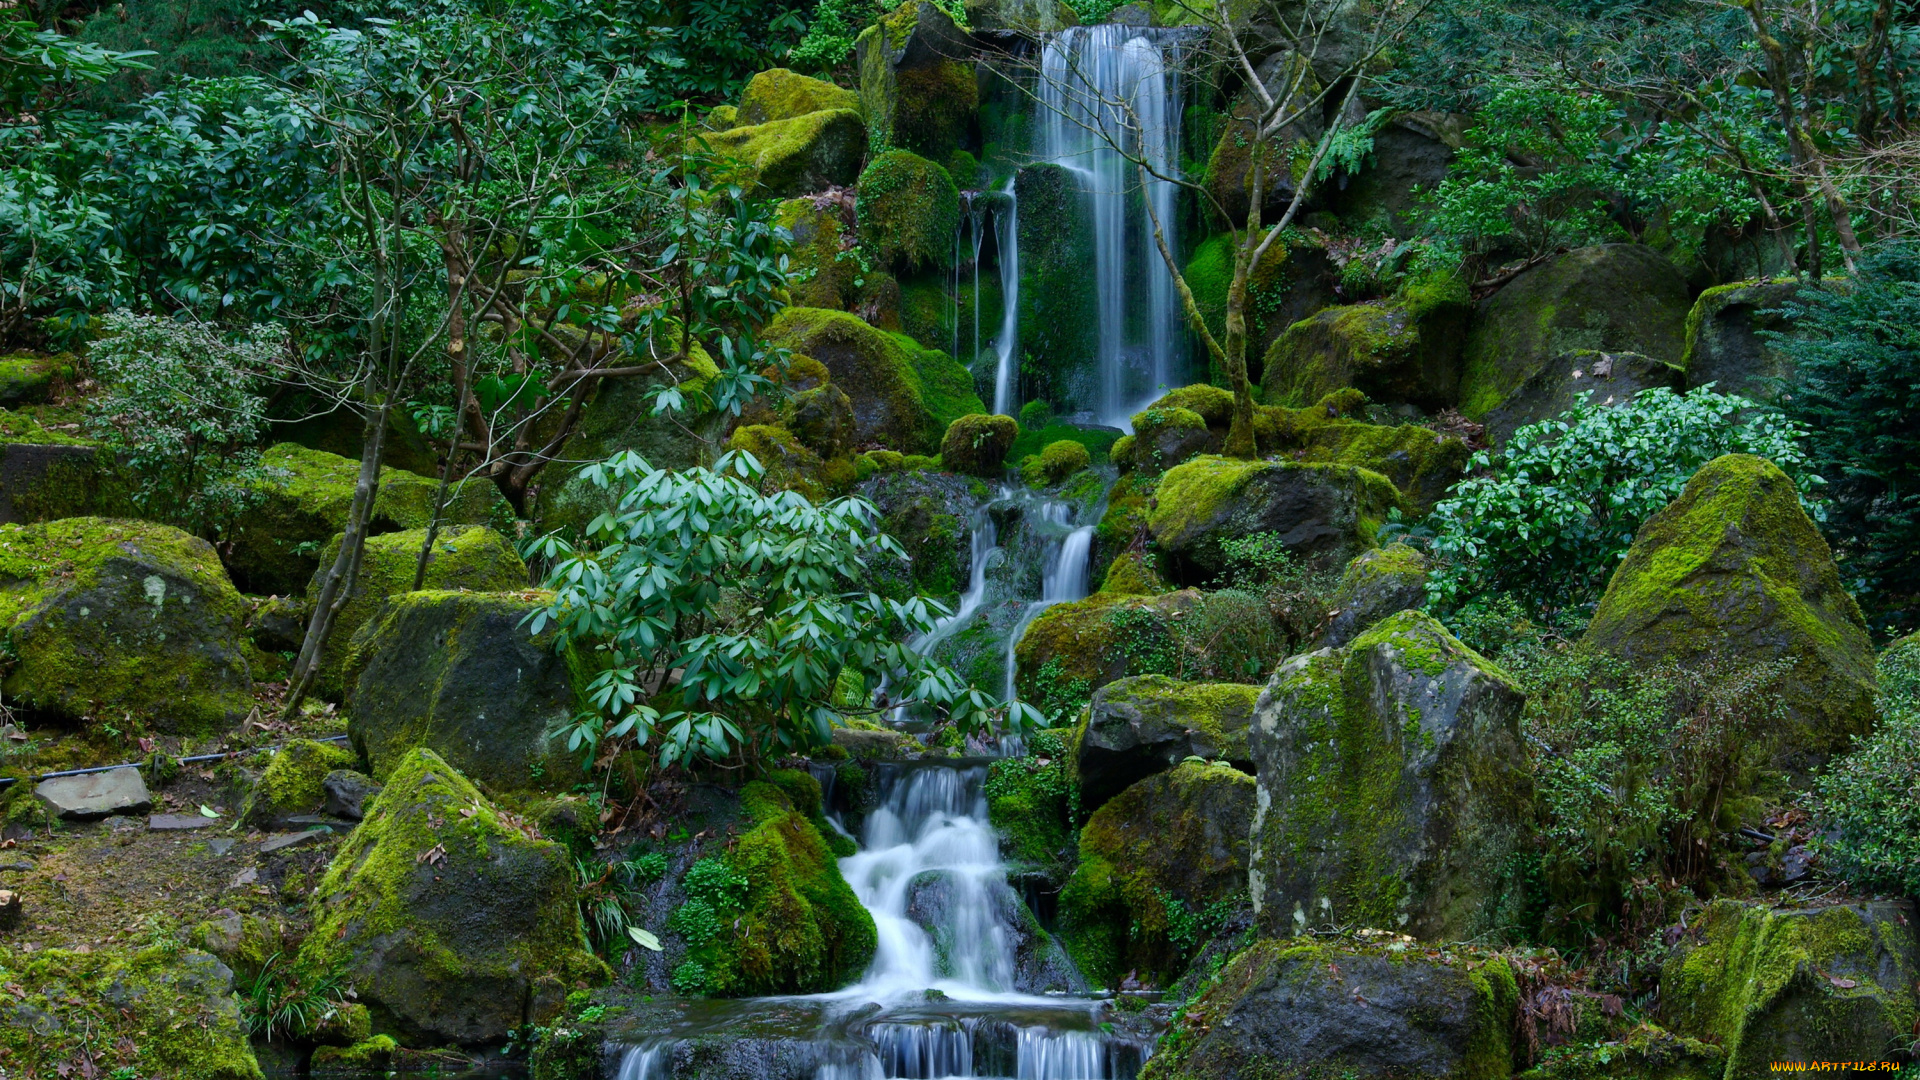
pixel 291 998
pixel 1871 797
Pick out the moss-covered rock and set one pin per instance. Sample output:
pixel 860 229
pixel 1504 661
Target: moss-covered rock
pixel 1054 464
pixel 1058 309
pixel 772 915
pixel 164 1013
pixel 1081 646
pixel 779 94
pixel 907 210
pixel 821 418
pixel 815 252
pixel 1610 298
pixel 105 617
pixel 903 396
pixel 1158 863
pixel 1165 436
pixel 452 922
pixel 1406 349
pixel 1648 1052
pixel 978 444
pixel 1734 573
pixel 791 464
pixel 1422 463
pixel 1724 346
pixel 917 81
pixel 291 782
pixel 1611 379
pixel 28 378
pixel 1031 803
pixel 465 558
pixel 1794 984
pixel 1323 513
pixel 460 674
pixel 1229 175
pixel 1288 284
pixel 304 503
pixel 1411 156
pixel 1130 574
pixel 47 475
pixel 1297 1011
pixel 1395 786
pixel 1376 584
pixel 783 158
pixel 926 512
pixel 373 1054
pixel 1143 725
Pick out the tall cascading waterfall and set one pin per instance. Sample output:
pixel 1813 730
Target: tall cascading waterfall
pixel 1006 346
pixel 1107 96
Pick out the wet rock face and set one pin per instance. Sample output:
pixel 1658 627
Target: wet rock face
pixel 1144 725
pixel 938 902
pixel 1293 1010
pixel 1808 984
pixel 1394 785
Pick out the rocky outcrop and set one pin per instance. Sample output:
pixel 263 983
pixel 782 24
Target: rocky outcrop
pixel 1794 984
pixel 1079 645
pixel 903 396
pixel 916 80
pixel 1376 584
pixel 1612 378
pixel 1725 346
pixel 1324 514
pixel 1360 1010
pixel 452 921
pixel 815 252
pixel 459 673
pixel 1404 349
pixel 1137 727
pixel 978 444
pixel 1229 174
pixel 1394 786
pixel 108 618
pixel 1288 284
pixel 1734 573
pixel 925 511
pixel 1613 298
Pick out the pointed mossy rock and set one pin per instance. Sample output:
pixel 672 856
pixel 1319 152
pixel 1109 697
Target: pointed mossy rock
pixel 106 617
pixel 1324 514
pixel 465 558
pixel 459 673
pixel 1290 1010
pixel 977 444
pixel 1155 859
pixel 293 782
pixel 173 1010
pixel 1081 646
pixel 1607 298
pixel 1724 343
pixel 917 80
pixel 1146 724
pixel 448 917
pixel 906 212
pixel 305 499
pixel 1611 378
pixel 780 94
pixel 1773 984
pixel 783 158
pixel 1395 787
pixel 1376 584
pixel 1733 572
pixel 903 396
pixel 1401 350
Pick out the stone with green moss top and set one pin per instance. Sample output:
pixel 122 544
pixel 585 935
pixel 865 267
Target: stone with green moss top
pixel 1406 349
pixel 1773 984
pixel 783 158
pixel 1088 641
pixel 452 921
pixel 906 212
pixel 28 378
pixel 1325 514
pixel 1287 1010
pixel 1734 573
pixel 1421 462
pixel 924 510
pixel 1167 435
pixel 291 783
pixel 461 674
pixel 1395 786
pixel 978 444
pixel 1060 460
pixel 1146 724
pixel 1131 574
pixel 1724 343
pixel 1609 298
pixel 1159 863
pixel 917 81
pixel 780 94
pixel 304 502
pixel 1288 284
pixel 111 618
pixel 1376 584
pixel 791 464
pixel 371 1054
pixel 903 396
pixel 164 1013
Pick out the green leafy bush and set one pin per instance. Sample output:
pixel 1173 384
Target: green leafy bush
pixel 1856 388
pixel 1872 796
pixel 1546 518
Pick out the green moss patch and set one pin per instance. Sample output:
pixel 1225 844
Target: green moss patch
pixel 907 211
pixel 779 94
pixel 291 783
pixel 783 158
pixel 903 396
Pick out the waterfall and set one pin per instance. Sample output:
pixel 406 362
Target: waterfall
pixel 1063 579
pixel 1006 346
pixel 1106 94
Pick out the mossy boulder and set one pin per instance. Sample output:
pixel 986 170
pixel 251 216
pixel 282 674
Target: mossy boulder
pixel 791 464
pixel 1376 584
pixel 1157 862
pixel 1610 298
pixel 163 1013
pixel 906 212
pixel 978 444
pixel 1058 461
pixel 917 81
pixel 292 782
pixel 1322 513
pixel 1734 573
pixel 816 253
pixel 1288 284
pixel 1773 984
pixel 1165 436
pixel 1406 349
pixel 45 475
pixel 1031 804
pixel 1611 378
pixel 1395 786
pixel 1411 156
pixel 1724 345
pixel 903 396
pixel 1058 309
pixel 1131 574
pixel 821 417
pixel 1143 725
pixel 304 503
pixel 28 378
pixel 1078 647
pixel 111 618
pixel 1422 463
pixel 465 558
pixel 450 917
pixel 779 94
pixel 783 158
pixel 459 673
pixel 926 512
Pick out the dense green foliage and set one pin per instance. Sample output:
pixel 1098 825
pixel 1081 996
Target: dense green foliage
pixel 1872 796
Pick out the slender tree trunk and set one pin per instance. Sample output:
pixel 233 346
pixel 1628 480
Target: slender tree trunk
pixel 1800 143
pixel 457 361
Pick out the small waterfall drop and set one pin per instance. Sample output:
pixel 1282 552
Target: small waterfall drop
pixel 1064 579
pixel 1006 345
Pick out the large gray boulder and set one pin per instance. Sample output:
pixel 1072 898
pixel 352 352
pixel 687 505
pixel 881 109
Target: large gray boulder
pixel 1394 785
pixel 1325 514
pixel 1147 724
pixel 1724 346
pixel 460 674
pixel 1611 378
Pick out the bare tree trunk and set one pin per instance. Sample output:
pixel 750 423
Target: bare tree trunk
pixel 1805 155
pixel 457 360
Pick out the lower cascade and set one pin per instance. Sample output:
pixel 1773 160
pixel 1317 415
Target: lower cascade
pixel 942 997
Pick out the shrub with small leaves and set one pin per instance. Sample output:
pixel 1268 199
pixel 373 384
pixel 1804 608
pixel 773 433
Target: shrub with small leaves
pixel 1872 796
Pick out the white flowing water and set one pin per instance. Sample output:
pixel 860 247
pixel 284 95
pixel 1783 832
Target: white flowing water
pixel 1006 346
pixel 1063 579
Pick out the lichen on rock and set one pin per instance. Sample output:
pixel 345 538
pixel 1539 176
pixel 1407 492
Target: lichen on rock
pixel 1322 513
